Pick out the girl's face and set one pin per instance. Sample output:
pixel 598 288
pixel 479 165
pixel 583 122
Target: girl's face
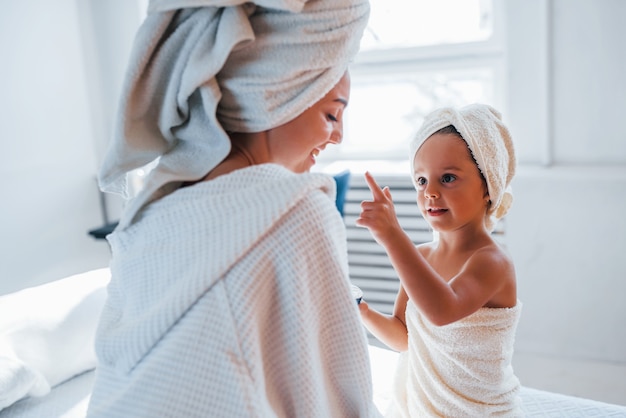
pixel 451 192
pixel 296 144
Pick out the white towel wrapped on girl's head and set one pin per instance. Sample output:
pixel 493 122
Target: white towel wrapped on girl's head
pixel 490 143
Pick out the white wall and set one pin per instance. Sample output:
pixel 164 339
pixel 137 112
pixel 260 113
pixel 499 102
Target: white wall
pixel 567 231
pixel 569 247
pixel 54 108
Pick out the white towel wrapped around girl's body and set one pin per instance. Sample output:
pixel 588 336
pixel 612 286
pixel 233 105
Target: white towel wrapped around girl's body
pixel 462 369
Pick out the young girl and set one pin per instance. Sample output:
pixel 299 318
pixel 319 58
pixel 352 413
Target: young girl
pixel 456 311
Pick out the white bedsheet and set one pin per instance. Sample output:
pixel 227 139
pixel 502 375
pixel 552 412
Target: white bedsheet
pixel 535 403
pixel 70 399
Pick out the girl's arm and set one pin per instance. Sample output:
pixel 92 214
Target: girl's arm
pixel 442 302
pixel 389 329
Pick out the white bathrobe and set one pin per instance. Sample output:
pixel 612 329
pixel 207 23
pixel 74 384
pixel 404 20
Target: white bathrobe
pixel 231 298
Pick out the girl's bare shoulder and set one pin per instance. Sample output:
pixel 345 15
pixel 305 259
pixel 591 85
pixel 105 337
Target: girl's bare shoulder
pixel 493 255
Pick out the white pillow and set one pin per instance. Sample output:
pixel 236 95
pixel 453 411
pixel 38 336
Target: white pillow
pixel 47 333
pixel 17 380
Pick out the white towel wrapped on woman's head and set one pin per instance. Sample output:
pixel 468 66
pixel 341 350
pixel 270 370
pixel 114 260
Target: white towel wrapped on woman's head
pixel 490 143
pixel 200 68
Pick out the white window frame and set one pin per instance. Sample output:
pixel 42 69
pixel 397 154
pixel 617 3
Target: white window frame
pixel 490 54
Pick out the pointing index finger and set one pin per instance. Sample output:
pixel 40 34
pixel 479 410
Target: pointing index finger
pixel 374 187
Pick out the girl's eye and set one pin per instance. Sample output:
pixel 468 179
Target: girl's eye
pixel 420 181
pixel 332 117
pixel 447 178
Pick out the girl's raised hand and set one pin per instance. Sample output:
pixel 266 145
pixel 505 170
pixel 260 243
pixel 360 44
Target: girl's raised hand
pixel 379 214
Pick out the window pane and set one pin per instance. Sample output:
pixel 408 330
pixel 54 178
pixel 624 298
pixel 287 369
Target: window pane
pixel 385 109
pixel 411 23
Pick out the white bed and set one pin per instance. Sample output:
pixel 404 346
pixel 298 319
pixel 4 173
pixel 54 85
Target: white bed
pixel 48 332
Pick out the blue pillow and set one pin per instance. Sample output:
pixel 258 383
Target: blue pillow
pixel 343 184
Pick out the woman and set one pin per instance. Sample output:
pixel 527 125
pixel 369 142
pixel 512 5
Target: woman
pixel 229 269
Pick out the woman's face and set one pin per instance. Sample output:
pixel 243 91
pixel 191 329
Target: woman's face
pixel 296 144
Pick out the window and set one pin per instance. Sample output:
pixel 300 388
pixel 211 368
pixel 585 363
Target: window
pixel 411 23
pixel 418 55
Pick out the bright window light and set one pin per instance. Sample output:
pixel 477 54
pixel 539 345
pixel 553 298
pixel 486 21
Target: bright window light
pixel 416 56
pixel 411 23
pixel 387 109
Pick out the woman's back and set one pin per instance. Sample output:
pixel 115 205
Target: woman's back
pixel 230 323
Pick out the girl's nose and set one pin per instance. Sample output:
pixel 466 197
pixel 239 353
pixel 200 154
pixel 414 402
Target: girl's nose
pixel 430 192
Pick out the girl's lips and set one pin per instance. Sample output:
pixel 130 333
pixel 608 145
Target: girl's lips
pixel 436 211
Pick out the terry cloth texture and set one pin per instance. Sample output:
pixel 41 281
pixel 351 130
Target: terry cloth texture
pixel 458 370
pixel 201 68
pixel 251 313
pixel 491 144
